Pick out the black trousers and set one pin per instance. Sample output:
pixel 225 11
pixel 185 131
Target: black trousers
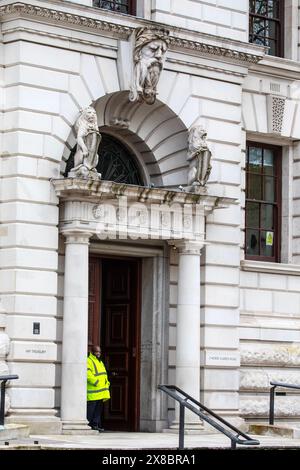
pixel 94 410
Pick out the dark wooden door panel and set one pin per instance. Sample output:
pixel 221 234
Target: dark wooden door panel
pixel 116 410
pixel 117 325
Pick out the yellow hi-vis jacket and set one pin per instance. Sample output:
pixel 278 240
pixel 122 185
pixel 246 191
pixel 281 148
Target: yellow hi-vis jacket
pixel 97 381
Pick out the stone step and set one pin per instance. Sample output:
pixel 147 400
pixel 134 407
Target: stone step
pixel 13 431
pixel 284 430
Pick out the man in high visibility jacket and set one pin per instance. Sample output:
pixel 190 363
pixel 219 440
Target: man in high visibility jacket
pixel 97 388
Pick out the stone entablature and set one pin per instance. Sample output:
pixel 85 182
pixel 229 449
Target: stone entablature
pixel 120 210
pixel 122 27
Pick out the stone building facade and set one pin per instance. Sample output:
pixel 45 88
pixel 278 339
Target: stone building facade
pixel 216 305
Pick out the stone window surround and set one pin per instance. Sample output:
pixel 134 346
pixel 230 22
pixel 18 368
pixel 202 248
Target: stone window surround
pixel 286 188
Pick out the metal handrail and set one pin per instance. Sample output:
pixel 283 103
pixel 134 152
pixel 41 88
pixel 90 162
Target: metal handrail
pixel 4 379
pixel 272 396
pixel 175 393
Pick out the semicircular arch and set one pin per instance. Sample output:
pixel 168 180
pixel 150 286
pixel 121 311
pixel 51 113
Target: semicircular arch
pixel 155 134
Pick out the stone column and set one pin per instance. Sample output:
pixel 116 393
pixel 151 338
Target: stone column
pixel 75 330
pixel 188 325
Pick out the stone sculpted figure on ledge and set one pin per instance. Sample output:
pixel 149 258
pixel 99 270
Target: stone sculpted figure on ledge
pixel 88 139
pixel 149 52
pixel 199 157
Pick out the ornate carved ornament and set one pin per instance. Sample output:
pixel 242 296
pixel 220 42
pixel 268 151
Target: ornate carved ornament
pixel 23 9
pixel 179 43
pixel 150 47
pixel 20 9
pixel 88 139
pixel 276 107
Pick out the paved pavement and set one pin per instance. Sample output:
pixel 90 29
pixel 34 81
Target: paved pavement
pixel 125 440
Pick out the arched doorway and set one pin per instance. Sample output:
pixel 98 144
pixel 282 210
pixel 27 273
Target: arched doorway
pixel 155 142
pixel 114 300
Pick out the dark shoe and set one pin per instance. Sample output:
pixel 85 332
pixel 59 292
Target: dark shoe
pixel 101 429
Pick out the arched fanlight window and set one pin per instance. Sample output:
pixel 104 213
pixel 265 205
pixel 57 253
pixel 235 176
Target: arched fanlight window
pixel 116 162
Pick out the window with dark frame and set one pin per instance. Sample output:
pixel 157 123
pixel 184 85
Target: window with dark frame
pixel 121 6
pixel 266 24
pixel 263 202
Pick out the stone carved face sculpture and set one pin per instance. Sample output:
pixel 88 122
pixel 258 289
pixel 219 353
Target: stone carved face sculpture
pixel 149 53
pixel 89 117
pixel 197 140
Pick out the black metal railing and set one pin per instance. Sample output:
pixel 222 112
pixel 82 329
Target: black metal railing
pixel 272 396
pixel 3 380
pixel 207 415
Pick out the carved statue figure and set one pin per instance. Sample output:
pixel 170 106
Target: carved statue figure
pixel 149 52
pixel 88 140
pixel 199 157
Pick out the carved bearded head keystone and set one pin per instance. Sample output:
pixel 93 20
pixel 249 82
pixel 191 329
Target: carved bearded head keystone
pixel 149 52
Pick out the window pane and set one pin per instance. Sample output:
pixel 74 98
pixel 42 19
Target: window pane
pixel 267 243
pixel 269 188
pixel 255 159
pixel 271 29
pixel 252 242
pixel 254 189
pixel 106 4
pixel 266 24
pixel 272 46
pixel 261 205
pixel 115 5
pixel 273 8
pixel 252 214
pixel 268 162
pixel 261 7
pixel 258 27
pixel 267 220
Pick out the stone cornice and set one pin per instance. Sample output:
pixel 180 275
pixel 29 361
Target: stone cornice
pixel 272 268
pixel 179 43
pixel 25 10
pixel 85 189
pixel 179 40
pixel 278 67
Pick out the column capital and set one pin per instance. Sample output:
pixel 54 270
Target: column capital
pixel 188 247
pixel 75 237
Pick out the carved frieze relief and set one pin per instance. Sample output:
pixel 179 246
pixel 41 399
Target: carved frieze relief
pixel 122 31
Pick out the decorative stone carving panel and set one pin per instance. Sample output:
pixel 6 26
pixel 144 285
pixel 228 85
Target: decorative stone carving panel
pixel 276 106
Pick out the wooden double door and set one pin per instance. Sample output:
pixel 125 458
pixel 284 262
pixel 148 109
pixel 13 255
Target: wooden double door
pixel 114 323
